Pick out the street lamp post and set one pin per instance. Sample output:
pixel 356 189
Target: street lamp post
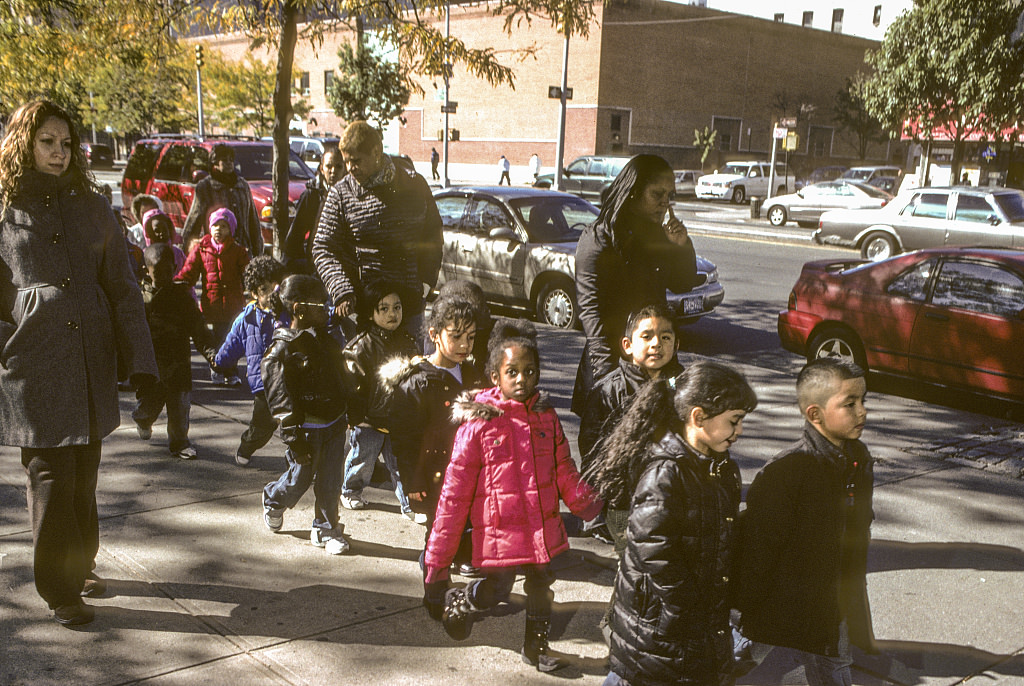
pixel 560 148
pixel 199 89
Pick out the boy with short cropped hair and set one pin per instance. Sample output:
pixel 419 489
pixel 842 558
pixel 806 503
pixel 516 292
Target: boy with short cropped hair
pixel 804 535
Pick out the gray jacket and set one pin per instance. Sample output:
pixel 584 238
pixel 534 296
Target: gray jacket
pixel 71 316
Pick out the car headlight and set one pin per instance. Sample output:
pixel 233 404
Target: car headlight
pixel 712 276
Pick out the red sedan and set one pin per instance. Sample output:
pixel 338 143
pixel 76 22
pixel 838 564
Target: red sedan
pixel 952 316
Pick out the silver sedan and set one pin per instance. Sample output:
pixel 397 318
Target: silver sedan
pixel 806 206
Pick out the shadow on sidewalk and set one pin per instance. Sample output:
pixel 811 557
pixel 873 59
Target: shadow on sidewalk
pixel 887 556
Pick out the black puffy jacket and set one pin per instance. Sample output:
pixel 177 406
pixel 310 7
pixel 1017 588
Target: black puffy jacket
pixel 364 356
pixel 670 620
pixel 305 380
pixel 419 419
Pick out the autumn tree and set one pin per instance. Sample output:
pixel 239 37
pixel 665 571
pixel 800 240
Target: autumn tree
pixel 241 94
pixel 851 115
pixel 950 67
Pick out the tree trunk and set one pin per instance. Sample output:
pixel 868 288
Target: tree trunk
pixel 957 163
pixel 282 120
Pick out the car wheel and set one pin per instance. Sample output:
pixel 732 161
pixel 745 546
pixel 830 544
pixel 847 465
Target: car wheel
pixel 835 342
pixel 878 246
pixel 777 215
pixel 739 194
pixel 556 304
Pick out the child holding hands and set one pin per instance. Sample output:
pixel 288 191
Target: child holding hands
pixel 510 466
pixel 307 389
pixel 669 457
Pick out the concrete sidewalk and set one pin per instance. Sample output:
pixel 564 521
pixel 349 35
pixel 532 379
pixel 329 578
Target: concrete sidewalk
pixel 201 592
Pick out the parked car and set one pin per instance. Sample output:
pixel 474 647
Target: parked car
pixel 738 181
pixel 829 173
pixel 519 245
pixel 871 171
pixel 929 217
pixel 98 155
pixel 686 182
pixel 587 176
pixel 889 184
pixel 806 205
pixel 170 169
pixel 312 149
pixel 952 316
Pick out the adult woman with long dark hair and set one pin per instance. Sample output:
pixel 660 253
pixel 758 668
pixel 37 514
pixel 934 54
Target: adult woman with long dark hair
pixel 71 322
pixel 629 256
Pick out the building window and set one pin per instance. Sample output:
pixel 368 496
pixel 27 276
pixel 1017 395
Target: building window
pixel 819 141
pixel 780 17
pixel 808 19
pixel 616 122
pixel 728 130
pixel 837 21
pixel 877 18
pixel 328 81
pixel 304 83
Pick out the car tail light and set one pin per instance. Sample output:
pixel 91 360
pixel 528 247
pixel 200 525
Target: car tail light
pixel 884 203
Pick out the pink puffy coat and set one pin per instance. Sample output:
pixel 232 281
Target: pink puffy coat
pixel 509 468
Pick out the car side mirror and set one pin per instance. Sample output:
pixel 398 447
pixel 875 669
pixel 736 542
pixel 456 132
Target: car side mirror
pixel 994 220
pixel 800 193
pixel 199 174
pixel 566 173
pixel 502 232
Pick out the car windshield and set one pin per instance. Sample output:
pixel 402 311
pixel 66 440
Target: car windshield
pixel 256 163
pixel 739 169
pixel 872 191
pixel 857 174
pixel 554 219
pixel 1012 204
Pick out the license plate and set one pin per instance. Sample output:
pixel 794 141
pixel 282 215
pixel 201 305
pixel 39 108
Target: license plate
pixel 692 304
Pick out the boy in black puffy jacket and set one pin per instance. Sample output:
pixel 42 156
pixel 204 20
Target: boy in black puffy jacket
pixel 307 390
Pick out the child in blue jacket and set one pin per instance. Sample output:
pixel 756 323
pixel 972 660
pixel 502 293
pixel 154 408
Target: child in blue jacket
pixel 250 336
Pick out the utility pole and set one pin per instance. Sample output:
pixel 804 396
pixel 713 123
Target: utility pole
pixel 447 84
pixel 199 89
pixel 560 148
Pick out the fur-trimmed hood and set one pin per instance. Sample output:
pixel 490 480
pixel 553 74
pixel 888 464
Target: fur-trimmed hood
pixel 488 403
pixel 398 369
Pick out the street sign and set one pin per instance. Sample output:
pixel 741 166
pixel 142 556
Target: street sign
pixel 792 141
pixel 441 94
pixel 788 122
pixel 779 133
pixel 554 92
pixel 449 107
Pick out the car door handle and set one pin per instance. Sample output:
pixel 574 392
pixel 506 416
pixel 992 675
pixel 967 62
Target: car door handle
pixel 936 316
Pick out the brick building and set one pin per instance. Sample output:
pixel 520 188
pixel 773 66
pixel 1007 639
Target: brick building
pixel 649 73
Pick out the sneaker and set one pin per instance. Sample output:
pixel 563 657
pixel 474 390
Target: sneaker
pixel 353 502
pixel 188 453
pixel 241 460
pixel 333 542
pixel 216 377
pixel 417 517
pixel 272 516
pixel 145 432
pixel 233 381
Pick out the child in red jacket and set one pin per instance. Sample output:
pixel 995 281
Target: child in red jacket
pixel 220 261
pixel 509 468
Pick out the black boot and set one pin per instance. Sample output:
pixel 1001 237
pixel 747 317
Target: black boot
pixel 535 646
pixel 458 614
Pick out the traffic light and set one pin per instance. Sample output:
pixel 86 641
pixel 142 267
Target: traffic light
pixel 199 55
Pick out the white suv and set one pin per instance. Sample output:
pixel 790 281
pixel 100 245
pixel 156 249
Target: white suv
pixel 738 181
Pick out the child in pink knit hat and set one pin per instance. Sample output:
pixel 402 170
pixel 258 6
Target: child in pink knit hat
pixel 220 261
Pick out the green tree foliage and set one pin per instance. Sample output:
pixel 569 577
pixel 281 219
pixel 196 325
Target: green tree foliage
pixel 851 115
pixel 368 86
pixel 240 95
pixel 705 142
pixel 951 65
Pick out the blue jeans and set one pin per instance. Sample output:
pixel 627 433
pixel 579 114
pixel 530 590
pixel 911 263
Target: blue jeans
pixel 364 445
pixel 326 448
pixel 614 679
pixel 819 669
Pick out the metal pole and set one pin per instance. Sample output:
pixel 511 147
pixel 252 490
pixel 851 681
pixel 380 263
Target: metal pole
pixel 447 93
pixel 92 116
pixel 560 148
pixel 199 100
pixel 771 173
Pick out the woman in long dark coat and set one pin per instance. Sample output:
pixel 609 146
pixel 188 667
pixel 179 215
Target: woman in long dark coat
pixel 71 324
pixel 629 256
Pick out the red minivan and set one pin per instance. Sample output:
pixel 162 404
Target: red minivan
pixel 169 168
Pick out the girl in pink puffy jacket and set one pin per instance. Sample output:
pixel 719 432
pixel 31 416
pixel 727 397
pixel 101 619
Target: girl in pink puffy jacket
pixel 510 467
